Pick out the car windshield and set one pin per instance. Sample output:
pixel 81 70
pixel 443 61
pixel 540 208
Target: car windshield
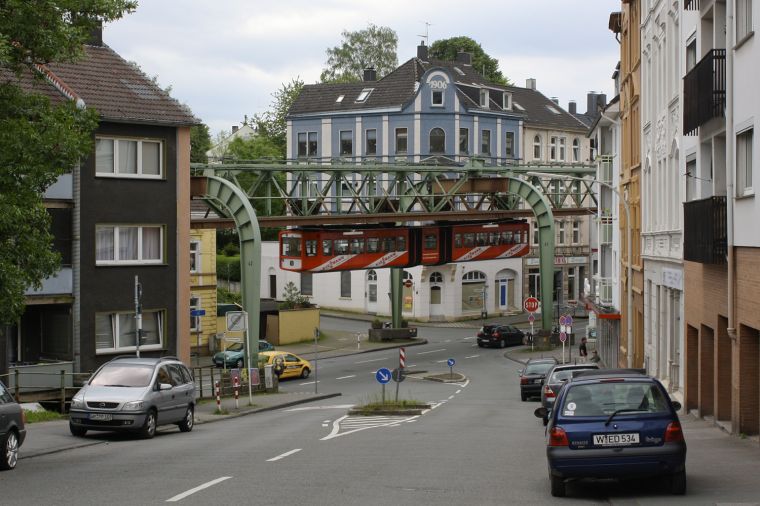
pixel 565 374
pixel 123 375
pixel 603 399
pixel 538 368
pixel 235 347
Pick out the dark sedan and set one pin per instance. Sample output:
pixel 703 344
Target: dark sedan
pixel 12 431
pixel 500 335
pixel 533 375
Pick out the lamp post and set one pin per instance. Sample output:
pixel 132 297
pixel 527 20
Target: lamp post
pixel 629 290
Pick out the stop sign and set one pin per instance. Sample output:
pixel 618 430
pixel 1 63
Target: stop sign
pixel 531 304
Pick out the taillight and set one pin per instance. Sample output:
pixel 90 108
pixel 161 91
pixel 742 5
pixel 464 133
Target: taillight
pixel 524 381
pixel 674 433
pixel 558 437
pixel 548 392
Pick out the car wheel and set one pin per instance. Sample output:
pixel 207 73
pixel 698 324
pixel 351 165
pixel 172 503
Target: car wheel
pixel 186 425
pixel 678 483
pixel 558 486
pixel 480 345
pixel 76 430
pixel 523 397
pixel 239 363
pixel 10 451
pixel 305 372
pixel 149 427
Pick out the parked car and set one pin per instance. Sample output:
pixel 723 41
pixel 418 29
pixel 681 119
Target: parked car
pixel 135 394
pixel 532 376
pixel 12 429
pixel 614 423
pixel 292 366
pixel 234 355
pixel 557 377
pixel 499 335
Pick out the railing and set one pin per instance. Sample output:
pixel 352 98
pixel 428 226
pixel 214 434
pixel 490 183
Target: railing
pixel 604 287
pixel 44 385
pixel 605 233
pixel 705 231
pixel 691 5
pixel 704 91
pixel 605 168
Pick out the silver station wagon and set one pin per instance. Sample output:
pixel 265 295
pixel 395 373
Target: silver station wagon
pixel 135 394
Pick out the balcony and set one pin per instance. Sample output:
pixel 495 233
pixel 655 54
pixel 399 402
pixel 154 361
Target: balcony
pixel 605 233
pixel 691 5
pixel 604 170
pixel 704 91
pixel 705 230
pixel 604 287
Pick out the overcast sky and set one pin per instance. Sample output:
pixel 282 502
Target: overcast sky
pixel 225 58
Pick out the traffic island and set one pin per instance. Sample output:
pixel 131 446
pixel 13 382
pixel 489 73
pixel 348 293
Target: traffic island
pixel 447 377
pixel 391 334
pixel 390 408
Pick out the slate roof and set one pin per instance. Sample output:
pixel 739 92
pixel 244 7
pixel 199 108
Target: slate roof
pixel 109 84
pixel 398 88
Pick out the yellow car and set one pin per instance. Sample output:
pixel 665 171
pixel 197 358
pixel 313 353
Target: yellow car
pixel 292 365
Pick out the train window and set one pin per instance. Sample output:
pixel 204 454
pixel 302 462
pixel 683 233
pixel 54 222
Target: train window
pixel 517 236
pixel 373 244
pixel 389 244
pixel 311 248
pixel 357 246
pixel 341 246
pixel 458 241
pixel 431 241
pixel 401 243
pixel 291 246
pixel 506 237
pixel 469 240
pixel 481 238
pixel 493 239
pixel 327 248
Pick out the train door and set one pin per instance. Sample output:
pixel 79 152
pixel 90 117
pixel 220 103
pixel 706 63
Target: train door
pixel 371 291
pixel 436 295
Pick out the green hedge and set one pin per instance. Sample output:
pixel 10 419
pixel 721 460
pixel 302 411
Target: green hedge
pixel 228 267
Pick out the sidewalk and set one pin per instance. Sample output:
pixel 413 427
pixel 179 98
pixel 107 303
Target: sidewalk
pixel 522 354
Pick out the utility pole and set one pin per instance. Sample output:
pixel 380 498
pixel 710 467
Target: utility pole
pixel 138 315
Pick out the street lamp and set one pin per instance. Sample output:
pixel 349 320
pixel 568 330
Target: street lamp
pixel 629 290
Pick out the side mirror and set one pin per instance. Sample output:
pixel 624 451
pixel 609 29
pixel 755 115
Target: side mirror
pixel 676 405
pixel 164 386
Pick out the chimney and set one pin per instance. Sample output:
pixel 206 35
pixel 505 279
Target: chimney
pixel 591 103
pixel 530 84
pixel 234 128
pixel 601 101
pixel 572 107
pixel 555 100
pixel 422 51
pixel 370 74
pixel 96 35
pixel 464 57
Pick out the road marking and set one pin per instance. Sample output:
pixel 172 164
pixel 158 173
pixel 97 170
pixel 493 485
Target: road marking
pixel 346 377
pixel 468 338
pixel 474 345
pixel 211 483
pixel 413 365
pixel 368 361
pixel 451 397
pixel 286 454
pixel 458 391
pixel 441 361
pixel 359 423
pixel 447 341
pixel 308 383
pixel 431 351
pixel 311 408
pixel 473 356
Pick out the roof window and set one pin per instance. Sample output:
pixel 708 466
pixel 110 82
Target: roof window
pixel 552 109
pixel 339 99
pixel 517 106
pixel 364 95
pixel 459 71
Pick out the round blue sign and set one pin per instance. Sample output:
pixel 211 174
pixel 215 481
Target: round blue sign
pixel 451 362
pixel 383 375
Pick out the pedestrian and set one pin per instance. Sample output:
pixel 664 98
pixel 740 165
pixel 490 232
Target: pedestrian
pixel 594 357
pixel 582 351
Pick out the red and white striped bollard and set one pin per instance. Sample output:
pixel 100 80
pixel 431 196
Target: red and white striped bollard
pixel 236 385
pixel 218 397
pixel 402 358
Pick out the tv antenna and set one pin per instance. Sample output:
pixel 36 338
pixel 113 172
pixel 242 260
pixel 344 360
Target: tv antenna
pixel 426 36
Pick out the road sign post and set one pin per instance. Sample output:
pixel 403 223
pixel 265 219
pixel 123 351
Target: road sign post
pixel 316 360
pixel 383 376
pixel 451 363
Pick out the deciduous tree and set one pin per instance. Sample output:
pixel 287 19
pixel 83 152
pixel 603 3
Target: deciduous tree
pixel 375 46
pixel 447 49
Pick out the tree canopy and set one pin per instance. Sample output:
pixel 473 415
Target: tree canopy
pixel 38 141
pixel 272 125
pixel 447 49
pixel 375 46
pixel 200 142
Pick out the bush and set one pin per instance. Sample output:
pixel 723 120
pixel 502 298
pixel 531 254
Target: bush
pixel 231 249
pixel 404 324
pixel 228 268
pixel 377 324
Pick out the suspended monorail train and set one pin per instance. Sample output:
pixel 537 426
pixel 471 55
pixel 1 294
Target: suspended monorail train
pixel 327 249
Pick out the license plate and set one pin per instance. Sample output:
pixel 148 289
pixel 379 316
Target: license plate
pixel 616 439
pixel 104 417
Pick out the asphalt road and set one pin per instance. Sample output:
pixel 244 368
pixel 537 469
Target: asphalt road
pixel 479 445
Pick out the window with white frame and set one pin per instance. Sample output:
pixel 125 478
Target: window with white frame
pixel 346 143
pixel 562 149
pixel 576 232
pixel 484 98
pixel 510 145
pixel 437 98
pixel 364 95
pixel 139 158
pixel 370 145
pixel 437 141
pixel 307 283
pixel 537 147
pixel 464 141
pixel 534 225
pixel 195 256
pixel 576 150
pixel 115 332
pixel 560 232
pixel 485 144
pixel 553 148
pixel 129 244
pixel 744 162
pixel 307 144
pixel 401 141
pixel 345 284
pixel 743 18
pixel 507 101
pixel 195 321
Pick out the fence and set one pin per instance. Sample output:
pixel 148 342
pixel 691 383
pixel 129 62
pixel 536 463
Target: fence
pixel 44 385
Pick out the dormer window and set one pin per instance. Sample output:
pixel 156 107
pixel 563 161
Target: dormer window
pixel 364 95
pixel 484 98
pixel 339 99
pixel 506 101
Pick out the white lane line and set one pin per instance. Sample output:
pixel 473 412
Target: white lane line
pixel 447 341
pixel 468 338
pixel 451 397
pixel 286 454
pixel 473 356
pixel 346 377
pixel 458 391
pixel 441 361
pixel 474 345
pixel 368 361
pixel 431 351
pixel 211 483
pixel 310 408
pixel 413 365
pixel 308 383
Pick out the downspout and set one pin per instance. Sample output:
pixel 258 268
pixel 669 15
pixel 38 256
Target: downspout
pixel 730 192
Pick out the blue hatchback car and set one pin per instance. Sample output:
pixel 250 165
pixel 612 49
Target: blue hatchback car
pixel 614 423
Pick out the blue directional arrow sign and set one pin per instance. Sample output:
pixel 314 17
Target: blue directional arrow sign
pixel 383 375
pixel 451 362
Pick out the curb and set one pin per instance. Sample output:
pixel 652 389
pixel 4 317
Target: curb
pixel 447 380
pixel 219 418
pixel 310 355
pixel 59 450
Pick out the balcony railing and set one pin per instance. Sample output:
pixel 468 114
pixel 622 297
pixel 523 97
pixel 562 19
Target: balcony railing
pixel 704 91
pixel 605 168
pixel 691 5
pixel 604 288
pixel 605 233
pixel 705 230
